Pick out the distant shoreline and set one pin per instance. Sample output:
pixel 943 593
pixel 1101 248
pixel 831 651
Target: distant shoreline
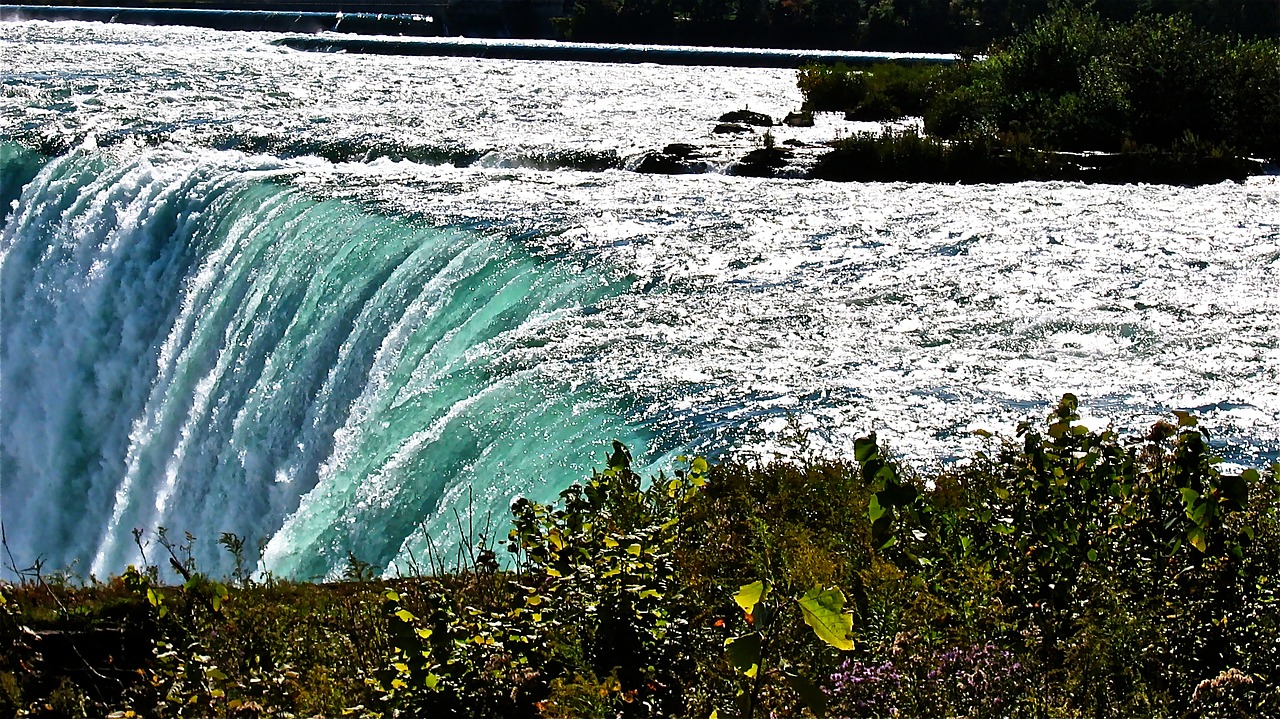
pixel 421 28
pixel 283 20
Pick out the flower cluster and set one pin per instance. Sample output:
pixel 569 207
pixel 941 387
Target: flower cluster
pixel 980 680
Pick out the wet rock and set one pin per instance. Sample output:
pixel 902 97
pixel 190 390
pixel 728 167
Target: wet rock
pixel 728 128
pixel 668 163
pixel 764 162
pixel 682 150
pixel 799 119
pixel 747 117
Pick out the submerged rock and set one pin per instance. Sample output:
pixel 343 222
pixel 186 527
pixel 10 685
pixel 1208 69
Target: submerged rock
pixel 728 128
pixel 764 162
pixel 748 117
pixel 799 119
pixel 682 150
pixel 667 162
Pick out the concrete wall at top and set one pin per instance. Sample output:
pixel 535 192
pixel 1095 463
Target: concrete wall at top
pixel 531 19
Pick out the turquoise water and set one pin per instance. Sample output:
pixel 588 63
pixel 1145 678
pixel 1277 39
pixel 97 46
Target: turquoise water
pixel 191 344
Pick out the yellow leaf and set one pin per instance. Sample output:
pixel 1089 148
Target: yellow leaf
pixel 1197 539
pixel 749 595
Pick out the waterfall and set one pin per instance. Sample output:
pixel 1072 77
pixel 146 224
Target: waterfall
pixel 191 342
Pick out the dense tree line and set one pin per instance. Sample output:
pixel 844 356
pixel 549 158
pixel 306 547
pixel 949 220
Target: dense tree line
pixel 922 25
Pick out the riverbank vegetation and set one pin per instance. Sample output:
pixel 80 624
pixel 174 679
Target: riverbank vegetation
pixel 1167 100
pixel 1064 572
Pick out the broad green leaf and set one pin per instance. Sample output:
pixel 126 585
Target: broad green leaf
pixel 875 511
pixel 864 448
pixel 1185 419
pixel 1189 497
pixel 824 611
pixel 1197 539
pixel 1235 489
pixel 749 595
pixel 744 653
pixel 405 615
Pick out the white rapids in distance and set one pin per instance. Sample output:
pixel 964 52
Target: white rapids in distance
pixel 245 289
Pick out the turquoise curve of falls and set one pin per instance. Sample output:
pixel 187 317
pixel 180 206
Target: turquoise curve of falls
pixel 189 342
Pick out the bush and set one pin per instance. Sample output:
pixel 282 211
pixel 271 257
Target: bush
pixel 884 91
pixel 1063 572
pixel 1078 82
pixel 906 155
pixel 831 88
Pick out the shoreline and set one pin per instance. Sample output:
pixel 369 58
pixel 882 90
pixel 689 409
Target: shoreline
pixel 422 35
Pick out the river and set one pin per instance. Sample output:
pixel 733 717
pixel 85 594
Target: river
pixel 345 304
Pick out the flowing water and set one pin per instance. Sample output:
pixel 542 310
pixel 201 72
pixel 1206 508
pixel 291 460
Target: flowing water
pixel 346 304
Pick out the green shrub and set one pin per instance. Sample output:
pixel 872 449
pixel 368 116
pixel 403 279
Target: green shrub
pixel 1065 572
pixel 884 91
pixel 831 88
pixel 1077 82
pixel 906 155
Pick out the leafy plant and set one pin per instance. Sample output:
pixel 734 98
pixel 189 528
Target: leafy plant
pixel 755 655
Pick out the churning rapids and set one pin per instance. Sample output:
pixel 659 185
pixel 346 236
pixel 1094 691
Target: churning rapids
pixel 246 289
